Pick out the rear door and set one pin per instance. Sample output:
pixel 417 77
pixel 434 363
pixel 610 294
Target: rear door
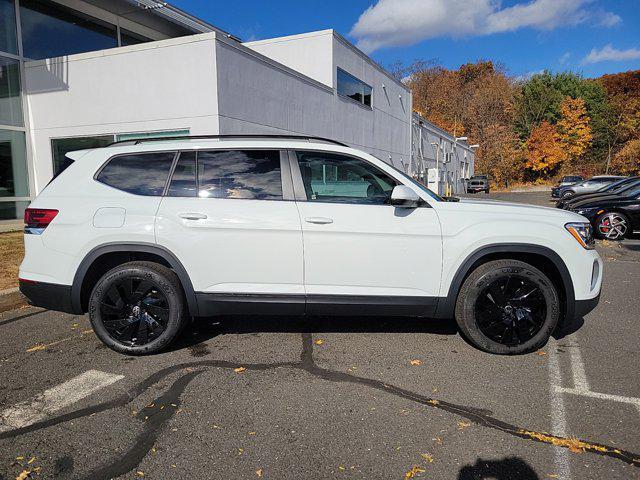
pixel 362 255
pixel 226 216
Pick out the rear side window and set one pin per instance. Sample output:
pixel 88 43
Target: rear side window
pixel 248 174
pixel 140 174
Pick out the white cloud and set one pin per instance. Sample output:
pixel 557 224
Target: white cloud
pixel 609 19
pixel 564 58
pixel 404 22
pixel 610 54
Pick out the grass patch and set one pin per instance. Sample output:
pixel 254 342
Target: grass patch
pixel 11 253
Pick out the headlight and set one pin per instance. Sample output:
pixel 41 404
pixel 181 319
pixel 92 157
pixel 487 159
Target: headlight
pixel 582 232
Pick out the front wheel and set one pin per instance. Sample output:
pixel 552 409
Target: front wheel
pixel 612 226
pixel 137 308
pixel 507 307
pixel 568 193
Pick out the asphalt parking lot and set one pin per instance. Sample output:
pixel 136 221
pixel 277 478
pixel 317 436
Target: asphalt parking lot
pixel 289 398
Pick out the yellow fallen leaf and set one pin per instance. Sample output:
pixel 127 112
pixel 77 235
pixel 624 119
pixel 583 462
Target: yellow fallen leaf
pixel 340 467
pixel 240 450
pixel 541 353
pixel 427 457
pixel 20 457
pixel 23 475
pixel 552 475
pixel 462 425
pixel 433 402
pixel 259 472
pixel 319 341
pixel 37 347
pixel 31 460
pixel 416 362
pixel 437 440
pixel 173 465
pixel 414 471
pixel 239 369
pixel 140 473
pixel 252 433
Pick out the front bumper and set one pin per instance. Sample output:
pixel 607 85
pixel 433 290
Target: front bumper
pixel 583 307
pixel 48 295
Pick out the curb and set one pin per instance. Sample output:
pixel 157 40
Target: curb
pixel 10 299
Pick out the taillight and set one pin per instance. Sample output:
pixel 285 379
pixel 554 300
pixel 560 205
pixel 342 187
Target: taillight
pixel 37 219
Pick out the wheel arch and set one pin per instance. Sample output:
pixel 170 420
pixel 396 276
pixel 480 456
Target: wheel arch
pixel 105 257
pixel 539 256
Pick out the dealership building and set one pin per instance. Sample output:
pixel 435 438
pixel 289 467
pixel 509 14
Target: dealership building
pixel 82 74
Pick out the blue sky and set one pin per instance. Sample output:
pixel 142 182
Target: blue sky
pixel 589 36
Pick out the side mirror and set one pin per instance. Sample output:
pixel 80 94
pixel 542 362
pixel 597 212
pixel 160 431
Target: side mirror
pixel 404 197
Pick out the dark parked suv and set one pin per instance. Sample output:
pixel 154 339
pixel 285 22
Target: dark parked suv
pixel 478 183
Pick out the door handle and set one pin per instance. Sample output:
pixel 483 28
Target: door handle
pixel 192 216
pixel 318 220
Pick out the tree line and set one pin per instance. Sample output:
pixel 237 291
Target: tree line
pixel 537 128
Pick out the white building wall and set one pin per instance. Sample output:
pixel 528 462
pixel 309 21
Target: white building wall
pixel 166 85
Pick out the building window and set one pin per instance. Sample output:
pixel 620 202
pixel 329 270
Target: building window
pixel 61 146
pixel 129 38
pixel 8 38
pixel 10 99
pixel 14 177
pixel 350 86
pixel 51 30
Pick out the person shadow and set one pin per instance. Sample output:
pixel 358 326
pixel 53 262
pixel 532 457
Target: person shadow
pixel 508 468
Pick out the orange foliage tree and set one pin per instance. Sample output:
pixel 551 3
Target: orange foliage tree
pixel 544 150
pixel 627 160
pixel 574 131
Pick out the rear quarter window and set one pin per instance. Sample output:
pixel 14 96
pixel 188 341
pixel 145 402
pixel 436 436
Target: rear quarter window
pixel 141 173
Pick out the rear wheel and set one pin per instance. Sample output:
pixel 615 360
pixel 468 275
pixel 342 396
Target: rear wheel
pixel 507 307
pixel 137 308
pixel 568 193
pixel 612 226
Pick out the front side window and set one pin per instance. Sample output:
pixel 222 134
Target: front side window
pixel 248 174
pixel 330 177
pixel 52 30
pixel 350 86
pixel 141 173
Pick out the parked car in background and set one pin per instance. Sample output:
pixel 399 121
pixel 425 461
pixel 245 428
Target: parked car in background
pixel 586 186
pixel 478 183
pixel 617 187
pixel 613 217
pixel 145 235
pixel 569 180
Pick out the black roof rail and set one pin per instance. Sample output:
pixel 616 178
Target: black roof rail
pixel 137 141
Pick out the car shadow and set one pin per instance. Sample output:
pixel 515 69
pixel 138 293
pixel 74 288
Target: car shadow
pixel 567 328
pixel 203 329
pixel 508 468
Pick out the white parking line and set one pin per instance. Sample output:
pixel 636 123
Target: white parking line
pixel 54 399
pixel 558 416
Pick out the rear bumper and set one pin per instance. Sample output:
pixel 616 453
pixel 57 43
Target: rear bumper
pixel 48 295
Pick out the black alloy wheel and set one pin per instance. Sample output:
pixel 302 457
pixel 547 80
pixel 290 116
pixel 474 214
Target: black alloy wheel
pixel 511 310
pixel 507 307
pixel 137 308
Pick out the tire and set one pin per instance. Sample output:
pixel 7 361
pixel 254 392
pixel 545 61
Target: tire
pixel 481 320
pixel 138 308
pixel 568 193
pixel 486 191
pixel 613 226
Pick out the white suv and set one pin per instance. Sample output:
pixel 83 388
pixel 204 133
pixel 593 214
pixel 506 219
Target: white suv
pixel 147 235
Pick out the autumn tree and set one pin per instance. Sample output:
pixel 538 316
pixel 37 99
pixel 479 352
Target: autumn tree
pixel 544 150
pixel 574 131
pixel 627 160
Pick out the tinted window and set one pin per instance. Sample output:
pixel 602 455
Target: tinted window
pixel 329 177
pixel 140 174
pixel 51 30
pixel 351 87
pixel 10 100
pixel 61 146
pixel 250 174
pixel 183 181
pixel 130 38
pixel 8 27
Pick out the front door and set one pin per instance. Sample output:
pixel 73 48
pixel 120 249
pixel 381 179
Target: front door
pixel 225 217
pixel 360 252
